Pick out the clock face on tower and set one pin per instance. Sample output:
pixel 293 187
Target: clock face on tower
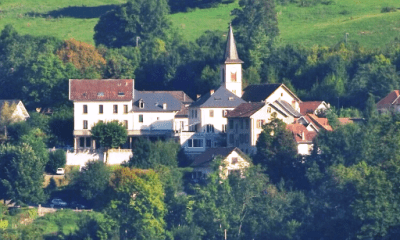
pixel 233 77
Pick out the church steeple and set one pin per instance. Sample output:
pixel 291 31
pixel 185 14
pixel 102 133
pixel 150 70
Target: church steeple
pixel 231 55
pixel 231 68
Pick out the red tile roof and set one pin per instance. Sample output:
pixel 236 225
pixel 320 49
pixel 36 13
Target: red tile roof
pixel 101 89
pixel 299 130
pixel 245 109
pixel 319 122
pixel 309 107
pixel 391 99
pixel 345 120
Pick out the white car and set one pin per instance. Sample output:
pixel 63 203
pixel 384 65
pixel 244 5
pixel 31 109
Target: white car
pixel 58 203
pixel 60 171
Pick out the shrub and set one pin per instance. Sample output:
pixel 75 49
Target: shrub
pixel 57 159
pixel 388 9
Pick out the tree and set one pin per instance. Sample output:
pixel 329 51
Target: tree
pixel 277 152
pixel 92 182
pixel 57 159
pixel 7 116
pixel 85 57
pixel 257 26
pixel 21 174
pixel 145 19
pixel 109 134
pixel 137 204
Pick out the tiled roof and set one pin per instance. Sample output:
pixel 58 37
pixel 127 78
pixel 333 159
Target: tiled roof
pixel 245 109
pixel 153 102
pixel 210 154
pixel 299 130
pixel 220 98
pixel 258 93
pixel 391 99
pixel 345 120
pixel 319 122
pixel 101 89
pixel 180 95
pixel 286 106
pixel 184 112
pixel 309 107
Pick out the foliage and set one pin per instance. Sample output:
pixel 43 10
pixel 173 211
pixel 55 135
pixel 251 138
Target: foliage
pixel 137 18
pixel 61 124
pixel 6 116
pixel 92 181
pixel 109 134
pixel 83 56
pixel 137 203
pixel 57 159
pixel 21 174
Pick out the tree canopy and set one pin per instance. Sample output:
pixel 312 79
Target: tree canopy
pixel 109 134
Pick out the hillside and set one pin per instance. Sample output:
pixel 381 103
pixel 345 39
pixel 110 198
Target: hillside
pixel 323 24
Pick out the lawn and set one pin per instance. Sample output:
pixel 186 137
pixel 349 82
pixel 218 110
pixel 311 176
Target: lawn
pixel 323 24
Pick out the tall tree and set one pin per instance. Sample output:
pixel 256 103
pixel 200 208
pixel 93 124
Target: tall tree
pixel 145 19
pixel 137 204
pixel 21 174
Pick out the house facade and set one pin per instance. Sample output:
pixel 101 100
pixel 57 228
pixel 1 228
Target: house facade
pixel 232 160
pixel 389 103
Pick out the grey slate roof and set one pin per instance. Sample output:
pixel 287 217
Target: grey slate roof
pixel 153 102
pixel 231 55
pixel 258 93
pixel 285 105
pixel 204 159
pixel 219 99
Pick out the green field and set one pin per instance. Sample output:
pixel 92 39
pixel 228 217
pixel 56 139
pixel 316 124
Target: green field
pixel 323 24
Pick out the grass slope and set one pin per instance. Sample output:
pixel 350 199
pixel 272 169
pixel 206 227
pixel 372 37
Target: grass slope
pixel 323 24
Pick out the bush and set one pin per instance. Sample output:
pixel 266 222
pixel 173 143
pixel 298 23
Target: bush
pixel 57 159
pixel 388 9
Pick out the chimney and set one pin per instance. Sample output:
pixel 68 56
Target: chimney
pixel 164 106
pixel 303 137
pixel 198 96
pixel 211 91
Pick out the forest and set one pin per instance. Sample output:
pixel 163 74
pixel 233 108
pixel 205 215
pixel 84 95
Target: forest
pixel 346 189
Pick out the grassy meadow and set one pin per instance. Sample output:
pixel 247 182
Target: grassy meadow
pixel 323 24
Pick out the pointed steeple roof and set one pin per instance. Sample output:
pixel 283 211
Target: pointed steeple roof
pixel 231 55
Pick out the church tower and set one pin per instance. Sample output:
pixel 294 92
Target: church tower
pixel 231 69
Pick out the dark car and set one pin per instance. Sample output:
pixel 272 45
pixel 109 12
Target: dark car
pixel 77 205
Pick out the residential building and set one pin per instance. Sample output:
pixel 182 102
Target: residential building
pixel 303 137
pixel 19 111
pixel 390 103
pixel 313 107
pixel 232 160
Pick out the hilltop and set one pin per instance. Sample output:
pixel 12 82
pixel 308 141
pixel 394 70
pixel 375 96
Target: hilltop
pixel 324 23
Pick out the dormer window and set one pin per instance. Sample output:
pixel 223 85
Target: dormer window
pixel 164 106
pixel 141 104
pixel 121 94
pixel 231 98
pixel 100 94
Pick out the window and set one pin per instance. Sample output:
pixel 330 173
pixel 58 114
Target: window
pixel 100 109
pixel 115 109
pixel 210 128
pixel 88 142
pixel 195 113
pixel 281 94
pixel 125 108
pixel 224 128
pixel 85 124
pixel 247 123
pixel 241 123
pixel 231 138
pixel 246 138
pixel 100 94
pixel 234 160
pixel 126 124
pixel 82 142
pixel 269 110
pixel 121 94
pixel 234 92
pixel 84 108
pixel 260 123
pixel 141 118
pixel 224 112
pixel 141 104
pixel 230 124
pixel 195 143
pixel 233 77
pixel 231 98
pixel 208 143
pixel 211 113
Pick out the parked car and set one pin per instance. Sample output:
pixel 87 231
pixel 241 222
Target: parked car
pixel 60 171
pixel 57 202
pixel 77 205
